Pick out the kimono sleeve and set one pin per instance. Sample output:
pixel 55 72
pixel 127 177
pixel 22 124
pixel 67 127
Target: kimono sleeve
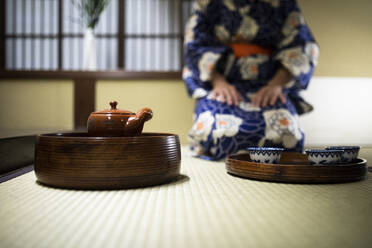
pixel 296 50
pixel 202 49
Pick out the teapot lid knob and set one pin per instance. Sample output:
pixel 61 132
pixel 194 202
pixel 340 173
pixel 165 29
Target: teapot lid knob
pixel 113 104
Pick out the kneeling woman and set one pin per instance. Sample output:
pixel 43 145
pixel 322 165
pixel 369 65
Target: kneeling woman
pixel 245 63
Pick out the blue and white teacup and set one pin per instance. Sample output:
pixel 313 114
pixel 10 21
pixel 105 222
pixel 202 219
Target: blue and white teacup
pixel 266 155
pixel 323 156
pixel 350 152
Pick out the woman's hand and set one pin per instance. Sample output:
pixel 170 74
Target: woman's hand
pixel 273 91
pixel 268 95
pixel 224 92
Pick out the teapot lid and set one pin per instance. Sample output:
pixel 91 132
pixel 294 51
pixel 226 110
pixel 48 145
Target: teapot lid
pixel 114 110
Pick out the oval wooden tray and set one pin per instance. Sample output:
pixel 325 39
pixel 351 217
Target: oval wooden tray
pixel 295 168
pixel 77 161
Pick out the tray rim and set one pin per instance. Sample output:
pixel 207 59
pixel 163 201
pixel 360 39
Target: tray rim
pixel 296 173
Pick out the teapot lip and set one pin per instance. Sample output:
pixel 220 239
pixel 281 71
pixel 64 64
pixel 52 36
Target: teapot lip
pixel 113 113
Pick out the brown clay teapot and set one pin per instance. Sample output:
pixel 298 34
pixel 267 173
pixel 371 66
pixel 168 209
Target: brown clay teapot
pixel 116 122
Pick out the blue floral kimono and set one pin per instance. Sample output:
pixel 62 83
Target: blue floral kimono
pixel 220 129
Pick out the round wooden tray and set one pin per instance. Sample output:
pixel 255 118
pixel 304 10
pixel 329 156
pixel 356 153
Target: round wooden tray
pixel 77 161
pixel 295 168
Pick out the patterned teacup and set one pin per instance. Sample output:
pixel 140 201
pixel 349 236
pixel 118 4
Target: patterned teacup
pixel 266 155
pixel 323 156
pixel 350 152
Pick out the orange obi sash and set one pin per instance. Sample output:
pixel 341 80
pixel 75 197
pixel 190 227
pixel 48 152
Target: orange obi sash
pixel 246 49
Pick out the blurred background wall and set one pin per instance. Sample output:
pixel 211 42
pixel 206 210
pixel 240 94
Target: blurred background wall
pixel 343 31
pixel 340 91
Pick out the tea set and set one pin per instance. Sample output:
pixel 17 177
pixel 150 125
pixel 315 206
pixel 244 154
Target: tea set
pixel 331 155
pixel 116 154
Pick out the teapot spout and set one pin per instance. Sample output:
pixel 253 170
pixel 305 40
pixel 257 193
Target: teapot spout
pixel 135 123
pixel 144 114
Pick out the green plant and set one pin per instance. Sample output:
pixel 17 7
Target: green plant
pixel 90 10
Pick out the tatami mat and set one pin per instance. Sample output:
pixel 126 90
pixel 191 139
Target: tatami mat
pixel 205 208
